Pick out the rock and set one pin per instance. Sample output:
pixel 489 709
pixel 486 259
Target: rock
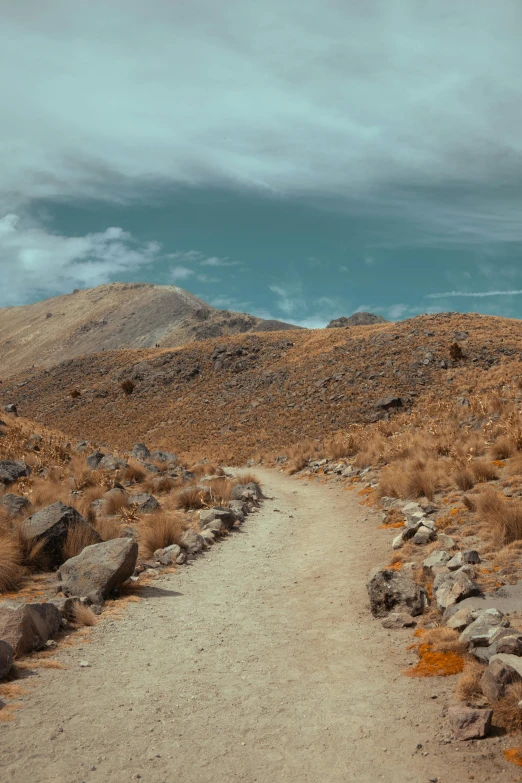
pixel 164 456
pixel 249 491
pixel 481 631
pixel 100 569
pixel 11 409
pixel 388 403
pixel 65 606
pixel 52 525
pixel 191 542
pixel 454 588
pixel 181 558
pixel 15 504
pixel 390 589
pixel 168 555
pixel 27 627
pixel 510 645
pixel 6 658
pixel 110 462
pixel 459 619
pixel 226 518
pixel 144 502
pixel 239 510
pixel 445 541
pixel 140 451
pixel 502 671
pixel 398 620
pixel 208 536
pixel 412 508
pixel 437 558
pixel 423 536
pixel 11 471
pixel 469 723
pixel 81 446
pixel 94 459
pixel 470 556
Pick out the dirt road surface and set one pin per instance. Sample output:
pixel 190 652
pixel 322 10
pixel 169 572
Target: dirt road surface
pixel 259 662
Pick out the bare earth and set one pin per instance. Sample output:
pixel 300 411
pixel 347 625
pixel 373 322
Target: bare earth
pixel 260 662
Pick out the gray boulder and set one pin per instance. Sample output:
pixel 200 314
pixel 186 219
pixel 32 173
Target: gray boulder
pixel 481 632
pixel 99 569
pixel 399 620
pixel 94 459
pixel 140 451
pixel 511 644
pixel 249 491
pixel 11 471
pixel 11 408
pixel 390 590
pixel 15 504
pixel 81 446
pixel 168 555
pixel 144 502
pixel 217 519
pixel 192 542
pixel 164 456
pixel 52 525
pixel 110 462
pixel 423 536
pixel 468 723
pixel 27 627
pixel 503 670
pixel 6 658
pixel 454 588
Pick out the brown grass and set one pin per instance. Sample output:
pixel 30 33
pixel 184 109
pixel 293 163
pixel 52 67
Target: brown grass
pixel 246 477
pixel 134 472
pixel 220 491
pixel 194 497
pixel 412 479
pixel 160 530
pixel 468 685
pixel 114 504
pixel 484 471
pixel 83 615
pixel 78 537
pixel 464 479
pixel 503 448
pixel 11 570
pixel 506 712
pixel 444 640
pixel 107 527
pixel 501 519
pixel 161 485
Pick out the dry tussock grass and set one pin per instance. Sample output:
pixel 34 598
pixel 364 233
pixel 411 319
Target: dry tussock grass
pixel 11 570
pixel 107 527
pixel 506 712
pixel 484 471
pixel 192 498
pixel 246 477
pixel 78 537
pixel 220 490
pixel 414 479
pixel 468 685
pixel 160 530
pixel 500 519
pixel 113 504
pixel 464 478
pixel 83 615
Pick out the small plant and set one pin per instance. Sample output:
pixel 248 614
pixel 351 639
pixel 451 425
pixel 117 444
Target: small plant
pixel 75 393
pixel 159 531
pixel 78 537
pixel 468 685
pixel 456 352
pixel 83 615
pixel 128 387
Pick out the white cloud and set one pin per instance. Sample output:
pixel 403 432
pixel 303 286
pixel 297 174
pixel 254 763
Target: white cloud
pixel 473 294
pixel 37 263
pixel 215 261
pixel 343 99
pixel 180 272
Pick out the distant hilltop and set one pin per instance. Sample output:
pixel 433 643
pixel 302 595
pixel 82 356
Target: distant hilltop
pixel 357 319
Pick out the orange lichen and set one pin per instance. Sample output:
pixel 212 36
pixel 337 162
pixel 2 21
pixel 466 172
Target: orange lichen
pixel 395 566
pixel 514 755
pixel 390 525
pixel 435 664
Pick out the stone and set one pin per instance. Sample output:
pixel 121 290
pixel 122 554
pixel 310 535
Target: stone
pixel 168 555
pixel 81 446
pixel 388 403
pixel 250 491
pixel 181 558
pixel 11 471
pixel 225 517
pixel 239 509
pixel 15 504
pixel 52 525
pixel 164 456
pixel 27 627
pixel 11 409
pixel 423 536
pixel 144 502
pixel 191 542
pixel 65 606
pixel 140 451
pixel 510 645
pixel 94 459
pixel 110 462
pixel 389 590
pixel 503 670
pixel 208 536
pixel 412 508
pixel 459 619
pixel 437 558
pixel 469 723
pixel 399 620
pixel 6 658
pixel 470 556
pixel 100 569
pixel 454 588
pixel 481 631
pixel 446 541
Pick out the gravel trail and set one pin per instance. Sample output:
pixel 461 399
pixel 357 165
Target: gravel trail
pixel 259 662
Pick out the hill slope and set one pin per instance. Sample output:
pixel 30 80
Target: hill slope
pixel 118 315
pixel 232 397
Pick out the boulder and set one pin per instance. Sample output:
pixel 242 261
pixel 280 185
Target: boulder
pixel 458 619
pixel 437 558
pixel 454 588
pixel 225 517
pixel 389 590
pixel 94 459
pixel 65 606
pixel 11 471
pixel 168 555
pixel 6 658
pixel 15 504
pixel 388 403
pixel 399 620
pixel 164 456
pixel 110 462
pixel 469 723
pixel 191 542
pixel 445 541
pixel 27 627
pixel 249 491
pixel 208 536
pixel 52 525
pixel 99 569
pixel 503 670
pixel 423 536
pixel 481 632
pixel 140 451
pixel 144 502
pixel 81 446
pixel 11 408
pixel 510 644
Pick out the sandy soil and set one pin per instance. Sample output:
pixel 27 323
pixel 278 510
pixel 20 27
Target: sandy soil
pixel 260 662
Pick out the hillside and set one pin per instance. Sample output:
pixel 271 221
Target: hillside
pixel 113 316
pixel 233 397
pixel 357 319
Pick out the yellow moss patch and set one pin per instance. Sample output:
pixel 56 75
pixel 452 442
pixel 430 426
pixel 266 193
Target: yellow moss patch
pixel 514 755
pixel 435 664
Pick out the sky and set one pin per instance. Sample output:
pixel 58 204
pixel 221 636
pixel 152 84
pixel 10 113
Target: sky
pixel 297 160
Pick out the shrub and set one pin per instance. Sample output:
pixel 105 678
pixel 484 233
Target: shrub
pixel 11 569
pixel 246 478
pixel 506 712
pixel 484 471
pixel 502 519
pixel 193 498
pixel 159 531
pixel 107 528
pixel 78 537
pixel 503 448
pixel 464 479
pixel 468 688
pixel 83 615
pixel 456 352
pixel 127 387
pixel 115 503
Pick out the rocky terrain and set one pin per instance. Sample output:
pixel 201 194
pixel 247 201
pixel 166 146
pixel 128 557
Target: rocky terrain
pixel 113 316
pixel 357 319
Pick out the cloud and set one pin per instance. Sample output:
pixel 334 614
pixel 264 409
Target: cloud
pixel 180 272
pixel 215 261
pixel 38 264
pixel 360 101
pixel 473 294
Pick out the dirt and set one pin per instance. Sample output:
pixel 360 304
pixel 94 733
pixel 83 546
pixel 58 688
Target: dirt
pixel 259 662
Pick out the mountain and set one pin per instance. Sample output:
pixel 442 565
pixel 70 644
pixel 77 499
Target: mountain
pixel 235 396
pixel 357 319
pixel 117 315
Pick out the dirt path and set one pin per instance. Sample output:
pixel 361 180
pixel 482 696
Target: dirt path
pixel 260 662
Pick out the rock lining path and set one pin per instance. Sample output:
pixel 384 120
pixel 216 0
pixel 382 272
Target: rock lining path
pixel 259 662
